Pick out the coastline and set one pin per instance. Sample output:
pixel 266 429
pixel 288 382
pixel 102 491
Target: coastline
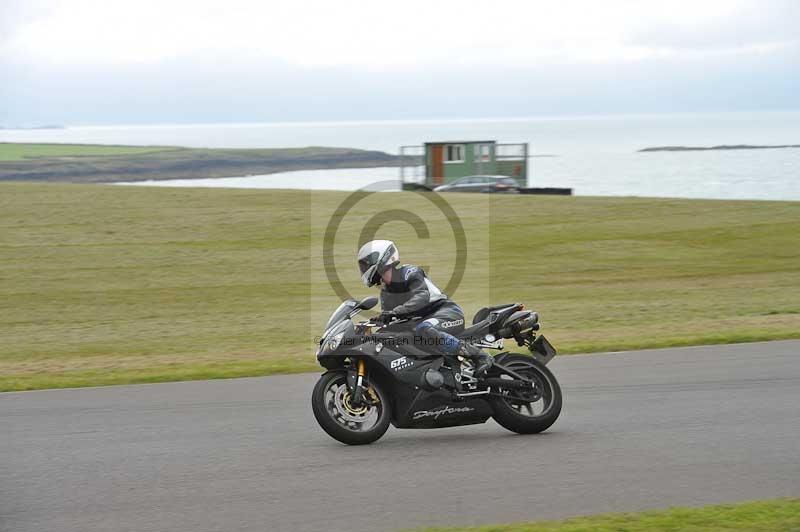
pixel 68 163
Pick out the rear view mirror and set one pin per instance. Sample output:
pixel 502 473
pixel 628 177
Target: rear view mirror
pixel 367 303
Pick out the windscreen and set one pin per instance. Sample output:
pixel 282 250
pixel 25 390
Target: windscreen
pixel 341 312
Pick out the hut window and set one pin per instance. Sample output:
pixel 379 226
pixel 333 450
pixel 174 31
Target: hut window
pixel 483 153
pixel 454 153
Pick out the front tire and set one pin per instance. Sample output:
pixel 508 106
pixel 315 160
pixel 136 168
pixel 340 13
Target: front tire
pixel 528 412
pixel 342 421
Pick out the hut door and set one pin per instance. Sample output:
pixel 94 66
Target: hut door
pixel 483 157
pixel 437 165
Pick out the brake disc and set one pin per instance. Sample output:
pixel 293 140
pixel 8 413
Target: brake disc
pixel 342 401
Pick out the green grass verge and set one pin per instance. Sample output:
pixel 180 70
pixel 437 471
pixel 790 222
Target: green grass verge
pixel 13 151
pixel 109 285
pixel 782 515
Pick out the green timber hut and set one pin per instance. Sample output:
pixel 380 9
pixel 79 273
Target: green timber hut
pixel 451 160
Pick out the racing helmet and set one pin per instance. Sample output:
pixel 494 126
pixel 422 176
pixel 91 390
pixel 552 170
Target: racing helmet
pixel 374 258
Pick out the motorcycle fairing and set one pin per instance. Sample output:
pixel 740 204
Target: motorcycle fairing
pixel 421 409
pixel 415 407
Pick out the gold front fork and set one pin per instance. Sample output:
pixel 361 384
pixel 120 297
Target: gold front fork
pixel 358 391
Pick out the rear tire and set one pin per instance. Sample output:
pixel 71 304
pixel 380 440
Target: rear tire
pixel 517 415
pixel 329 401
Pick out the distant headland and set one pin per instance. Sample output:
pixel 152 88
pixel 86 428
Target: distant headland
pixel 45 126
pixel 101 163
pixel 722 147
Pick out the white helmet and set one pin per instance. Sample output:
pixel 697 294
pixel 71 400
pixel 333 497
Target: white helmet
pixel 374 258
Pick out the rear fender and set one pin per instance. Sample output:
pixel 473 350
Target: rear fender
pixel 502 356
pixel 543 360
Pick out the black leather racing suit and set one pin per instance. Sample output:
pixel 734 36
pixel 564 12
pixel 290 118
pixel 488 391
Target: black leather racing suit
pixel 411 293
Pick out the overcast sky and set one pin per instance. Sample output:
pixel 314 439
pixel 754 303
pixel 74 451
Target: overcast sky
pixel 176 61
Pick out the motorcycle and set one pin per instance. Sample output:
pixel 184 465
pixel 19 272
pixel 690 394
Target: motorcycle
pixel 381 374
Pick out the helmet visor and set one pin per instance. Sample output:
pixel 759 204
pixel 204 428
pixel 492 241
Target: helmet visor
pixel 367 262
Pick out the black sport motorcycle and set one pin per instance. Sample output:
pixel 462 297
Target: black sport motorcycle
pixel 377 375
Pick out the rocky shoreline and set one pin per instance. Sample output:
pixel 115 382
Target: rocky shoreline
pixel 721 147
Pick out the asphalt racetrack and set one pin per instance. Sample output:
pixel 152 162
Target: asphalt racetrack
pixel 639 430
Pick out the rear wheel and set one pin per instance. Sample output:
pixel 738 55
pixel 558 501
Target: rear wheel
pixel 532 410
pixel 332 404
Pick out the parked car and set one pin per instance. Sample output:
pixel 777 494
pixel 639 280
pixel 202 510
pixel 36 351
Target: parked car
pixel 481 183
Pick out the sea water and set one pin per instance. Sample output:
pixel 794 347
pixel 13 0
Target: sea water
pixel 594 155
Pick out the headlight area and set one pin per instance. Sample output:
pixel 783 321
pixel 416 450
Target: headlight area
pixel 333 343
pixel 330 344
pixel 334 337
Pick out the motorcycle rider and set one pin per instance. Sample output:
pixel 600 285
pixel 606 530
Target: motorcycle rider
pixel 407 291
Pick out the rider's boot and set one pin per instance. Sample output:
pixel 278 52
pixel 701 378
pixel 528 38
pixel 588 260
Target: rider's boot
pixel 450 344
pixel 480 358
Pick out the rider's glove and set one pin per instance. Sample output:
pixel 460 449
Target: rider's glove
pixel 385 317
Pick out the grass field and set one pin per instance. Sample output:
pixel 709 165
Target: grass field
pixel 105 284
pixel 782 515
pixel 25 151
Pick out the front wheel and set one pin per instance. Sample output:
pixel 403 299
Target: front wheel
pixel 344 421
pixel 528 411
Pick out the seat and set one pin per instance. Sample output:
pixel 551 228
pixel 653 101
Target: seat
pixel 485 319
pixel 483 313
pixel 477 330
